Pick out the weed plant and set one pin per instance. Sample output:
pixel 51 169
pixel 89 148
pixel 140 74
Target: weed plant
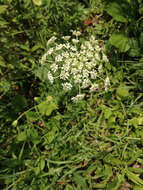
pixel 73 67
pixel 48 141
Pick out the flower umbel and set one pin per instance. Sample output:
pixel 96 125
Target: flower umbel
pixel 76 66
pixel 107 83
pixel 78 98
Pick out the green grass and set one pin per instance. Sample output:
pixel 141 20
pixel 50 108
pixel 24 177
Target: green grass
pixel 45 145
pixel 96 144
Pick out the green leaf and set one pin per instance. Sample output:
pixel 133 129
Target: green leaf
pixel 14 123
pixel 115 184
pixel 47 107
pixel 141 39
pixel 37 2
pixel 24 47
pixel 107 113
pixel 115 10
pixel 113 161
pixel 134 50
pixel 120 41
pixel 134 122
pixel 32 116
pixel 35 47
pixel 138 188
pixel 79 180
pixel 19 102
pixel 140 120
pixel 122 91
pixel 42 164
pixel 2 62
pixel 134 178
pixel 21 137
pixel 3 8
pixel 50 136
pixel 33 136
pixel 36 170
pixel 3 23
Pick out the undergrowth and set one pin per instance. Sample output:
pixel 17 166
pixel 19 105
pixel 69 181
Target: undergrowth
pixel 48 141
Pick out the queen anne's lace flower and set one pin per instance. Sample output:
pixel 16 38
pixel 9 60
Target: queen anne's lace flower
pixel 77 79
pixel 93 74
pixel 66 67
pixel 54 67
pixel 67 45
pixel 67 86
pixel 105 58
pixel 58 58
pixel 76 33
pixel 100 68
pixel 85 73
pixel 76 65
pixel 66 37
pixel 64 75
pixel 86 83
pixel 78 98
pixel 43 59
pixel 50 77
pixel 94 87
pixel 74 71
pixel 107 83
pixel 97 56
pixel 65 54
pixel 60 46
pixel 75 41
pixel 73 48
pixel 51 40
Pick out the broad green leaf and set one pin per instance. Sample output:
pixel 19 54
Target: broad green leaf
pixel 50 136
pixel 107 113
pixel 134 122
pixel 22 136
pixel 47 107
pixel 41 73
pixel 37 2
pixel 3 8
pixel 120 41
pixel 33 136
pixel 122 91
pixel 32 116
pixel 114 9
pixel 36 170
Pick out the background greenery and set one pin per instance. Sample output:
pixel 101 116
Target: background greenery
pixel 96 144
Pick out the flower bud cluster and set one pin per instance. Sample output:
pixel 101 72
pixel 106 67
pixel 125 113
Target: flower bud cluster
pixel 76 65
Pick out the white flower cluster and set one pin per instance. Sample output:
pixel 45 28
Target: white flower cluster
pixel 75 64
